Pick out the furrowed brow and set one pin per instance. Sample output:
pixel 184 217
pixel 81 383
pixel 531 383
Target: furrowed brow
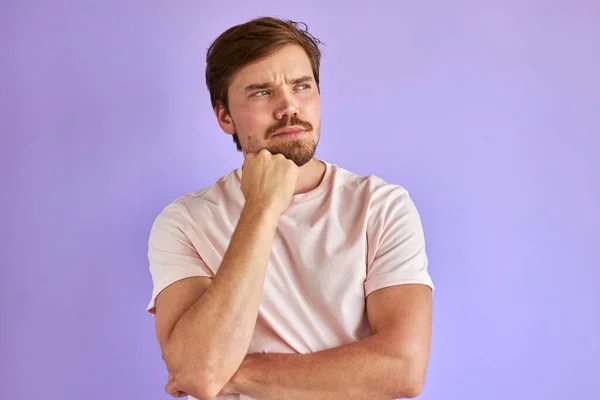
pixel 267 85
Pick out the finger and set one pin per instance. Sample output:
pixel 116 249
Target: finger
pixel 171 388
pixel 171 392
pixel 176 393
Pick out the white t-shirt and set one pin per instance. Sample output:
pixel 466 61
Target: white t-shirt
pixel 334 246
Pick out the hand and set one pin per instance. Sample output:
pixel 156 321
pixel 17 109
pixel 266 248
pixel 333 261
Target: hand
pixel 235 384
pixel 269 181
pixel 173 388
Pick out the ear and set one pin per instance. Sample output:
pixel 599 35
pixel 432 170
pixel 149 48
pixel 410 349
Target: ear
pixel 225 121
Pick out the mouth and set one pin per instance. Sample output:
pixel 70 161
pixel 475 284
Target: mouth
pixel 290 132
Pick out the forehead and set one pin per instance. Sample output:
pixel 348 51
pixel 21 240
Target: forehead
pixel 288 63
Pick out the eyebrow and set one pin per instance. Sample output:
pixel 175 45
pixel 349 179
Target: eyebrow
pixel 266 85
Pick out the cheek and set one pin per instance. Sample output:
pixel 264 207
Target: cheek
pixel 252 117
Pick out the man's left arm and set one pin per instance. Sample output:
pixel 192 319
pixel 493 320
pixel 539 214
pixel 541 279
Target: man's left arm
pixel 389 364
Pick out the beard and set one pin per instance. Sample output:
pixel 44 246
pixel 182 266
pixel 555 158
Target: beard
pixel 300 151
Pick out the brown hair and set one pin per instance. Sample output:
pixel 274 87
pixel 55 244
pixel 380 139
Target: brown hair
pixel 243 44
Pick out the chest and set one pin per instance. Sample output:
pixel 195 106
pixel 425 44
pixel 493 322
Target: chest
pixel 324 259
pixel 313 294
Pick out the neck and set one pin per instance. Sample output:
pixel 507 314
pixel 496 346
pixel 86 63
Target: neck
pixel 311 175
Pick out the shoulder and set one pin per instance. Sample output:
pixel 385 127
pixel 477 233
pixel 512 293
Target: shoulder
pixel 224 191
pixel 370 188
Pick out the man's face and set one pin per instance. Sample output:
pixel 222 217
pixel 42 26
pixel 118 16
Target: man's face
pixel 275 105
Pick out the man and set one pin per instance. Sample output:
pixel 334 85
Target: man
pixel 290 277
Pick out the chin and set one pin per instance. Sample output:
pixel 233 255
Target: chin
pixel 299 151
pixel 301 161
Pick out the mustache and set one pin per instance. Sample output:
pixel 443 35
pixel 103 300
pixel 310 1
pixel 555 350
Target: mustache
pixel 288 122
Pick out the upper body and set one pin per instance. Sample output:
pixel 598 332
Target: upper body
pixel 334 246
pixel 289 277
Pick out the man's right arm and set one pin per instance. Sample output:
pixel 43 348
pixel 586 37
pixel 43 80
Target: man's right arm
pixel 203 325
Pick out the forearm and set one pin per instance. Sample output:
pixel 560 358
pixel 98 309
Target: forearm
pixel 369 369
pixel 212 337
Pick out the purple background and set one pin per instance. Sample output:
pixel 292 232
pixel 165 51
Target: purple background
pixel 488 113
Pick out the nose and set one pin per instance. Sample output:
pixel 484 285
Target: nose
pixel 287 107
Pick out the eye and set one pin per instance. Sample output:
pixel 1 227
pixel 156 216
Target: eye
pixel 262 93
pixel 303 87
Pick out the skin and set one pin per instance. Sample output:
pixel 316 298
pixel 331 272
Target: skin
pixel 259 111
pixel 206 360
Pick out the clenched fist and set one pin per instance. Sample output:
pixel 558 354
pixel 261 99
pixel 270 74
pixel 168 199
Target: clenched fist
pixel 269 181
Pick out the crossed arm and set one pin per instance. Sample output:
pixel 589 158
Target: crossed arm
pixel 389 364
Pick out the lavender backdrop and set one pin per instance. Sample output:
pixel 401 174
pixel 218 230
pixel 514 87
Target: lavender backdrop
pixel 488 113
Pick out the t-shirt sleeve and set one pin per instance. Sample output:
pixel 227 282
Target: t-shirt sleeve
pixel 396 242
pixel 171 254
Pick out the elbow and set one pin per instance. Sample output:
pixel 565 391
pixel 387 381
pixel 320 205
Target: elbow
pixel 410 382
pixel 205 386
pixel 206 390
pixel 409 389
pixel 200 385
pixel 195 378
